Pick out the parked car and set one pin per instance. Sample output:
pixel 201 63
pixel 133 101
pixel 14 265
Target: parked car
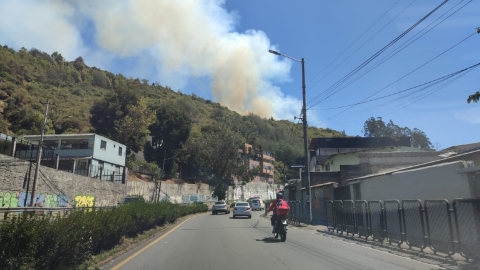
pixel 242 209
pixel 220 206
pixel 257 204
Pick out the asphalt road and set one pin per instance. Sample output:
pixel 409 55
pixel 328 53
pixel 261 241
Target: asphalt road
pixel 221 242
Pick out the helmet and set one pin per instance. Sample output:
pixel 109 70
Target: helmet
pixel 279 195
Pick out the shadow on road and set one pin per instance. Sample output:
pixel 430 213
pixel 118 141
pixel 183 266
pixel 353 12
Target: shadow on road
pixel 269 240
pixel 239 218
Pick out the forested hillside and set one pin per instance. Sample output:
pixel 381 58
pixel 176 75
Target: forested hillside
pixel 88 99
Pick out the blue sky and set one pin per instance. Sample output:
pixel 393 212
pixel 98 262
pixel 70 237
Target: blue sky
pixel 320 31
pixel 219 50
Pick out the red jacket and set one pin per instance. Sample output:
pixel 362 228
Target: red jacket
pixel 273 206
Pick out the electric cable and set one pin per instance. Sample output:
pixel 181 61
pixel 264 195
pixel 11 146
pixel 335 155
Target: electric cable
pixel 366 62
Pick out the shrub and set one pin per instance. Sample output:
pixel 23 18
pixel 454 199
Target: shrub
pixel 42 241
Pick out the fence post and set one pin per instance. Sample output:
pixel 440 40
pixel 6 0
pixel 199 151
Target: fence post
pixel 14 146
pixel 125 176
pixel 89 170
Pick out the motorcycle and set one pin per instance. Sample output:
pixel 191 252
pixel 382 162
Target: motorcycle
pixel 281 229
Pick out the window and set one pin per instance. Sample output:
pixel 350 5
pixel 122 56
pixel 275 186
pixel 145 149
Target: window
pixel 74 144
pixel 50 145
pixel 120 151
pixel 242 204
pixel 103 145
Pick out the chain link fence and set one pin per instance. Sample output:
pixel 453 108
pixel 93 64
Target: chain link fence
pixel 435 224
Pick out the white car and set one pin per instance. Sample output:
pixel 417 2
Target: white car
pixel 242 209
pixel 257 204
pixel 220 206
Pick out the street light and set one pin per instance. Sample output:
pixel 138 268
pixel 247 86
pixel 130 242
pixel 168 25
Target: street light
pixel 305 137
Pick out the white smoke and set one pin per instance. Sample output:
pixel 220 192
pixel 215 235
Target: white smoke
pixel 182 39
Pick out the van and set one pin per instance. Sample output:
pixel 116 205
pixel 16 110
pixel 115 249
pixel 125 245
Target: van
pixel 257 204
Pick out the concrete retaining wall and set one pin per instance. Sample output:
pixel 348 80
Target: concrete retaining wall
pixel 62 189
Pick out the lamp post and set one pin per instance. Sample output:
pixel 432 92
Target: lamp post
pixel 305 137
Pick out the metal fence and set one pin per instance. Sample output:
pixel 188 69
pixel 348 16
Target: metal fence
pixel 436 224
pixel 295 214
pixel 6 213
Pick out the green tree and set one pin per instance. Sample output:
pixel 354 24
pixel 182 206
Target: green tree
pixel 220 189
pixel 170 130
pixel 217 150
pixel 374 127
pixel 122 116
pixel 99 79
pixel 475 97
pixel 132 130
pixel 377 128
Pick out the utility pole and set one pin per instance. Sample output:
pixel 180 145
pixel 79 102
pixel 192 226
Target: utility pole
pixel 305 144
pixel 305 136
pixel 39 156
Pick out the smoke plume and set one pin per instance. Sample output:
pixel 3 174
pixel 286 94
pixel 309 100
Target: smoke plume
pixel 181 39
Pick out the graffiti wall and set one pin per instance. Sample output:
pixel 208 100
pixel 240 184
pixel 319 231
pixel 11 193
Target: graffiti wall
pixel 84 201
pixel 191 198
pixel 23 199
pixel 55 188
pixel 254 189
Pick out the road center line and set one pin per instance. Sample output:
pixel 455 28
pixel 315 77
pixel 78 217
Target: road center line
pixel 116 267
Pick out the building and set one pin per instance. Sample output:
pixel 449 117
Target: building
pixel 453 177
pixel 85 154
pixel 384 158
pixel 323 148
pixel 266 162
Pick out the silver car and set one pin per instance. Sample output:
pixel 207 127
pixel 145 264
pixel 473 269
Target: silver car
pixel 242 209
pixel 220 206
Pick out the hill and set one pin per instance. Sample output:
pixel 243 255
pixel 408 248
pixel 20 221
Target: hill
pixel 88 99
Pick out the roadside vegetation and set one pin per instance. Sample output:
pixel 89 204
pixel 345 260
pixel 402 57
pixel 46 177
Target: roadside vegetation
pixel 43 242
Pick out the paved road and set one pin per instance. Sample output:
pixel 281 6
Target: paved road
pixel 221 242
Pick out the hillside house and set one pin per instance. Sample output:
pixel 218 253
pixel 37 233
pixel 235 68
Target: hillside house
pixel 85 154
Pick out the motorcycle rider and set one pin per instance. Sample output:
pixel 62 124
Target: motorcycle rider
pixel 273 207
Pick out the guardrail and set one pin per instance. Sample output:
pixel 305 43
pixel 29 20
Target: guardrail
pixel 6 212
pixel 436 224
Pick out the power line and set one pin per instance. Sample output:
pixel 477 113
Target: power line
pixel 383 15
pixel 366 62
pixel 362 44
pixel 421 95
pixel 401 47
pixel 436 81
pixel 409 73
